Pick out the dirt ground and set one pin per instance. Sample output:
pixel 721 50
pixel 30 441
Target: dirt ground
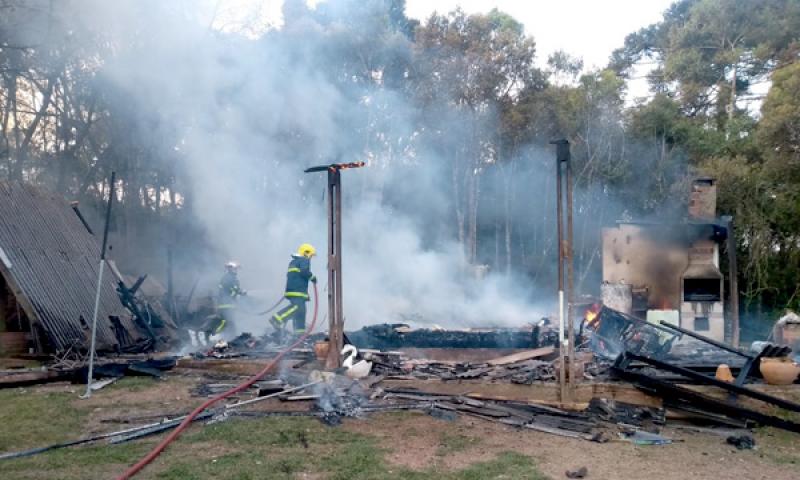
pixel 695 456
pixel 395 445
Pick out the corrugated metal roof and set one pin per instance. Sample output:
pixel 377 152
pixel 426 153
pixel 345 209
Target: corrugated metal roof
pixel 53 260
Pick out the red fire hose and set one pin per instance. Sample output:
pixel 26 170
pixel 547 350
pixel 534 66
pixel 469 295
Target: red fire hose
pixel 138 466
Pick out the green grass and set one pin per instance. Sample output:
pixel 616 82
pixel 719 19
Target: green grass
pixel 134 384
pixel 279 447
pixel 283 448
pixel 32 419
pixel 450 443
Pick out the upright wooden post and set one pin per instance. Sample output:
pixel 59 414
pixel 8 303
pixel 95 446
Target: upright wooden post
pixel 568 255
pixel 335 323
pixel 335 303
pixel 566 336
pixel 733 283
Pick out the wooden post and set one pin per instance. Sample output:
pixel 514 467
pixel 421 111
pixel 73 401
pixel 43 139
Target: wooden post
pixel 568 255
pixel 562 156
pixel 561 352
pixel 733 283
pixel 335 303
pixel 335 321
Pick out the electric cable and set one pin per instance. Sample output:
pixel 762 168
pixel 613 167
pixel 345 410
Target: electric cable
pixel 138 466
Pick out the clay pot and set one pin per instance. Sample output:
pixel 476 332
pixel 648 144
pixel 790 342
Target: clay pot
pixel 779 371
pixel 724 373
pixel 321 350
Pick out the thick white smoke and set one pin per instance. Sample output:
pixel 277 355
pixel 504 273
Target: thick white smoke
pixel 242 109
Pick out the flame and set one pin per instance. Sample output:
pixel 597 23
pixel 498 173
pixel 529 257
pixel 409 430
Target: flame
pixel 591 315
pixel 344 166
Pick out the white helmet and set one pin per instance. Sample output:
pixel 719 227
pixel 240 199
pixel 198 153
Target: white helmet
pixel 232 265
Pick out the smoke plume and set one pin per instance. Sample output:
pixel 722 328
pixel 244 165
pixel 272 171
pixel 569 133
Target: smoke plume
pixel 243 117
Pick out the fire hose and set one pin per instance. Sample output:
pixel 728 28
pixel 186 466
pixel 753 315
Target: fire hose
pixel 138 466
pixel 273 307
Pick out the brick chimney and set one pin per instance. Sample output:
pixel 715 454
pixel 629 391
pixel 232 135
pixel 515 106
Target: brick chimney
pixel 703 199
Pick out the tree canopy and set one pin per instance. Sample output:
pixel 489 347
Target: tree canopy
pixel 158 93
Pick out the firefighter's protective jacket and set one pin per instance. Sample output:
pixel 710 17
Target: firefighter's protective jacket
pixel 229 290
pixel 298 276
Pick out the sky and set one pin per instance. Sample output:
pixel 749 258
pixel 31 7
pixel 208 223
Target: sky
pixel 590 29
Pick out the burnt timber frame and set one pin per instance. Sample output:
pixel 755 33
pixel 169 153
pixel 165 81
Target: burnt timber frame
pixel 681 397
pixel 624 359
pixel 752 362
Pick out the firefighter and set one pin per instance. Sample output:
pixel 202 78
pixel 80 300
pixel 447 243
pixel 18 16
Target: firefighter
pixel 228 293
pixel 297 278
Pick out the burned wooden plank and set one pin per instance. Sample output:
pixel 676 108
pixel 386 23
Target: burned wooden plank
pixel 709 417
pixel 705 339
pixel 563 423
pixel 614 411
pixel 32 378
pixel 522 356
pixel 411 391
pixel 557 431
pixel 474 373
pixel 539 409
pixel 422 398
pixel 398 336
pixel 487 412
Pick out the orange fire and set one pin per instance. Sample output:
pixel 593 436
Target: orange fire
pixel 591 315
pixel 343 166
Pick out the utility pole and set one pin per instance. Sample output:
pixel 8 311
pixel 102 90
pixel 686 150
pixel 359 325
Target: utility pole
pixel 335 307
pixel 733 281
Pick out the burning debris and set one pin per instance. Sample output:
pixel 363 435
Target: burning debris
pixel 614 332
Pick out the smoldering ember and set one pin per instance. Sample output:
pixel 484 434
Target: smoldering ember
pixel 372 239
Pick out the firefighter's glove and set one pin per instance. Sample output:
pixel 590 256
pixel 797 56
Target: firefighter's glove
pixel 314 280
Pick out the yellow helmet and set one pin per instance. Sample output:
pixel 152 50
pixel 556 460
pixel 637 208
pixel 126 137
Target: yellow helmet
pixel 306 250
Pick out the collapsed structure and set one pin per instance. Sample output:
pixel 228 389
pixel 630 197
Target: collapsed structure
pixel 49 258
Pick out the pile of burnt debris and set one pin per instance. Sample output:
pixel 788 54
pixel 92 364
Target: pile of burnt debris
pixel 105 372
pixel 680 373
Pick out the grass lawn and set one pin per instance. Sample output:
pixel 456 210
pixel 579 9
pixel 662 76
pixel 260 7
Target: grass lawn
pixel 280 448
pixel 400 445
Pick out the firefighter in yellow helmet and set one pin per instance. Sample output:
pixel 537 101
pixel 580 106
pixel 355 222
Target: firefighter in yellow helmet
pixel 297 278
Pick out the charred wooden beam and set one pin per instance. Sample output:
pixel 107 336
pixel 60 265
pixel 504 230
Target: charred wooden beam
pixel 703 338
pixel 681 396
pixel 730 387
